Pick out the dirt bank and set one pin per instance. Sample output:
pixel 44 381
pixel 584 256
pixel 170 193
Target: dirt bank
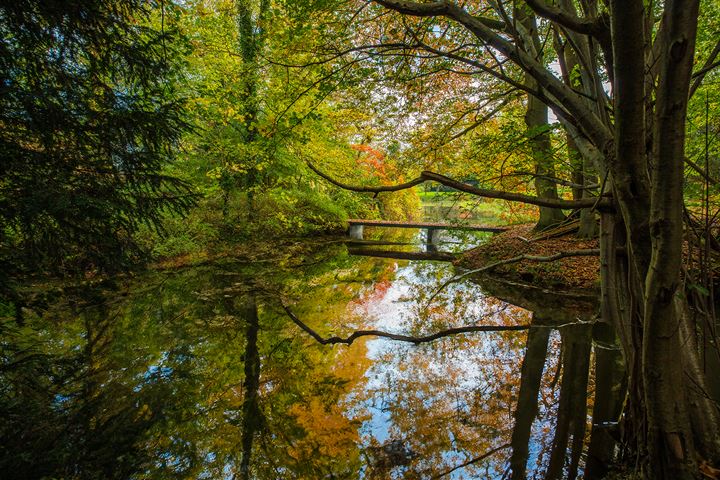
pixel 574 273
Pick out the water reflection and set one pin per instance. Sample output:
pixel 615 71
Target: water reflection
pixel 199 373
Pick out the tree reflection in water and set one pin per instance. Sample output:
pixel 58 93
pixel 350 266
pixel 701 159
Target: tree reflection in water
pixel 200 374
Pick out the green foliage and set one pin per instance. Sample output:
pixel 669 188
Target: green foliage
pixel 404 205
pixel 192 234
pixel 254 122
pixel 300 211
pixel 90 116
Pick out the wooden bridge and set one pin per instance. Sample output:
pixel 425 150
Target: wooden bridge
pixel 356 227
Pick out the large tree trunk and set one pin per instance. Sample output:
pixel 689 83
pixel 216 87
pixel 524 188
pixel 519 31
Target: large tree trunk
pixel 670 440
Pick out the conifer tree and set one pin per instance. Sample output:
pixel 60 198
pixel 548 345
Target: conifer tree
pixel 90 116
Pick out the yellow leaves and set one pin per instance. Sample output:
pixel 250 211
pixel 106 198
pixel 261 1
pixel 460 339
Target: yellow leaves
pixel 235 167
pixel 214 173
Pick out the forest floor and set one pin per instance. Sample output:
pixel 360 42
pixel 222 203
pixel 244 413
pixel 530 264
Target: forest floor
pixel 574 273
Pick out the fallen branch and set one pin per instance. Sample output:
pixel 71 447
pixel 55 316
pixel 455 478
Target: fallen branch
pixel 399 337
pixel 557 231
pixel 602 203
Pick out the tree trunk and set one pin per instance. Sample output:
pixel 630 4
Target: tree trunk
pixel 251 415
pixel 610 389
pixel 572 410
pixel 670 441
pixel 578 78
pixel 536 120
pixel 527 405
pixel 582 175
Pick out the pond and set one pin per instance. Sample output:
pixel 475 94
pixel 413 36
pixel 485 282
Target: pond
pixel 213 372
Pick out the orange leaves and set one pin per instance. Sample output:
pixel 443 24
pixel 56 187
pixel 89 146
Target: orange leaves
pixel 374 159
pixel 328 430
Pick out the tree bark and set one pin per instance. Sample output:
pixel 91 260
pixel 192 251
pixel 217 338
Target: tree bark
pixel 610 389
pixel 670 441
pixel 572 410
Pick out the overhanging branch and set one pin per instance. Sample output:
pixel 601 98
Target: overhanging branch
pixel 603 204
pixel 436 9
pixel 588 122
pixel 473 461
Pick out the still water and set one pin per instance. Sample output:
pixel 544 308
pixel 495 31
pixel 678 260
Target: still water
pixel 201 373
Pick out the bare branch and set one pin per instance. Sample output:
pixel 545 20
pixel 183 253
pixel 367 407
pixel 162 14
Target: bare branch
pixel 701 171
pixel 399 337
pixel 435 9
pixel 378 189
pixel 603 204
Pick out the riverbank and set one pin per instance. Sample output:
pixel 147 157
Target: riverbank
pixel 571 273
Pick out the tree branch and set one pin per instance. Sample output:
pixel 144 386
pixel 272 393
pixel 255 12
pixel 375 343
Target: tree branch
pixel 399 337
pixel 709 64
pixel 472 461
pixel 569 20
pixel 701 171
pixel 604 204
pixel 435 9
pixel 362 189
